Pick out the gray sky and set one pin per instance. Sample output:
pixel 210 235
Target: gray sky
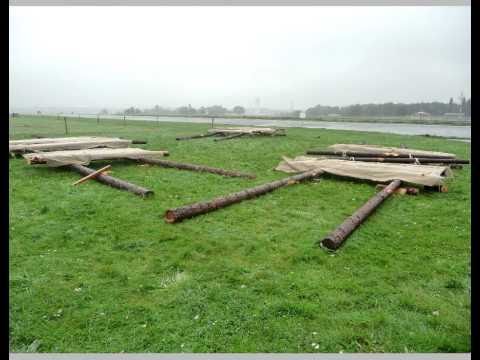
pixel 172 56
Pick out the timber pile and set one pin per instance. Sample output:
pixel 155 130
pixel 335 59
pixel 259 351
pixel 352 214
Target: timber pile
pixel 424 175
pixel 84 157
pixel 72 143
pixel 235 132
pixel 374 153
pixel 394 174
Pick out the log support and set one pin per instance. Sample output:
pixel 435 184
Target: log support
pixel 413 160
pixel 200 136
pixel 336 238
pixel 110 180
pixel 373 155
pixel 184 212
pixel 194 167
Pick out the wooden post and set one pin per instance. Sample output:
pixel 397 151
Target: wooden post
pixel 124 120
pixel 66 126
pixel 336 238
pixel 184 212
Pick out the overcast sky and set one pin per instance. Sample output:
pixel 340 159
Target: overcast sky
pixel 172 56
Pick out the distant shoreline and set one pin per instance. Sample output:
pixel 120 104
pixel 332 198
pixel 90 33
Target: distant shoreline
pixel 340 119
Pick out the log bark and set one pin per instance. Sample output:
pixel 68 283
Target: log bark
pixel 184 212
pixel 200 136
pixel 114 182
pixel 362 154
pixel 230 137
pixel 419 160
pixel 401 190
pixel 194 167
pixel 336 238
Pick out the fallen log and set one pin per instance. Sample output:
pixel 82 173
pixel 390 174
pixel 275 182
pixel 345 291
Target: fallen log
pixel 401 190
pixel 200 136
pixel 193 167
pixel 91 175
pixel 139 141
pixel 230 137
pixel 184 212
pixel 114 182
pixel 409 160
pixel 366 154
pixel 436 188
pixel 336 238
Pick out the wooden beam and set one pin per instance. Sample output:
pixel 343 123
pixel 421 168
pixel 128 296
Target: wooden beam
pixel 92 175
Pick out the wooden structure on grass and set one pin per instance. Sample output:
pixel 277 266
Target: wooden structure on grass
pixel 71 143
pixel 236 132
pixel 311 168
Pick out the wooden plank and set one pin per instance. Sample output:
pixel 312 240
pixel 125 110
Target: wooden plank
pixel 89 176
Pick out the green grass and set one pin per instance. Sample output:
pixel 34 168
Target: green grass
pixel 96 269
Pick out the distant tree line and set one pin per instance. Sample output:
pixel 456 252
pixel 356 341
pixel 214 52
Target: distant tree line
pixel 186 110
pixel 392 109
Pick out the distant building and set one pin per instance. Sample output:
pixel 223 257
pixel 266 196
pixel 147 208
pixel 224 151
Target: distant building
pixel 302 115
pixel 422 113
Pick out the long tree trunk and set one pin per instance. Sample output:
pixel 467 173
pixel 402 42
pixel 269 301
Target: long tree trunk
pixel 373 155
pixel 336 238
pixel 230 137
pixel 195 136
pixel 114 182
pixel 419 160
pixel 193 167
pixel 178 214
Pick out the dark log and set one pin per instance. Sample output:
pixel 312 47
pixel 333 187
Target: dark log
pixel 401 190
pixel 373 155
pixel 336 238
pixel 230 137
pixel 184 212
pixel 114 182
pixel 139 141
pixel 409 160
pixel 436 188
pixel 193 167
pixel 200 136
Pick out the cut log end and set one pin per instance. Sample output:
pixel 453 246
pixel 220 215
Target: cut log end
pixel 170 217
pixel 330 243
pixel 147 193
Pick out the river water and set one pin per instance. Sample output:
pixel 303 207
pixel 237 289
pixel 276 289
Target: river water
pixel 448 131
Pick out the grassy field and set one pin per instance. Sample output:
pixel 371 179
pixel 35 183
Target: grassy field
pixel 96 269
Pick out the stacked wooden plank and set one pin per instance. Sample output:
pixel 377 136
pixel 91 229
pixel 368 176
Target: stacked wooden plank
pixel 72 143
